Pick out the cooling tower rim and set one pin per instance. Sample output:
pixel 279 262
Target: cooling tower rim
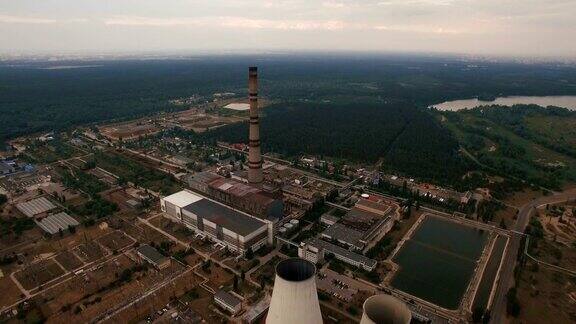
pixel 387 308
pixel 295 270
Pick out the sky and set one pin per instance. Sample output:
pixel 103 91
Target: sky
pixel 540 28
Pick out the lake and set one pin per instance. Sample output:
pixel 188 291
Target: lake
pixel 437 262
pixel 559 101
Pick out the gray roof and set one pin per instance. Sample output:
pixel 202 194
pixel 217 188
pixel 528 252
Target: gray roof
pixel 54 223
pixel 227 298
pixel 204 177
pixel 345 234
pixel 5 167
pixel 228 218
pixel 329 217
pixel 151 254
pixel 35 206
pixel 335 249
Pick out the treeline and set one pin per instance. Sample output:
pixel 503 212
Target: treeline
pixel 407 139
pixel 35 98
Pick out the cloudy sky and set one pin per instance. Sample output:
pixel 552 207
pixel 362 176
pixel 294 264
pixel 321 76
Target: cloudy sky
pixel 499 27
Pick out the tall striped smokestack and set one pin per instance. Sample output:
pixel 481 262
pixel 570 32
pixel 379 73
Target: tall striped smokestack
pixel 254 155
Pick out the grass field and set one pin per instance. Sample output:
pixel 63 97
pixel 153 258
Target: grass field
pixel 545 294
pixel 115 240
pixel 501 148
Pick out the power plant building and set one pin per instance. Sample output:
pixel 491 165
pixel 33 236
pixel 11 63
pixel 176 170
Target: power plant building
pixel 232 228
pixel 248 198
pixel 315 249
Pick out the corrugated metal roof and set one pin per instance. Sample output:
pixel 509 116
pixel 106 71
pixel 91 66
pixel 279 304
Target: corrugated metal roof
pixel 151 254
pixel 344 234
pixel 35 206
pixel 335 249
pixel 227 298
pixel 54 223
pixel 224 216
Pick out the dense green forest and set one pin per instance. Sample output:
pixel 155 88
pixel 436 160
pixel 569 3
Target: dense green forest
pixel 401 136
pixel 39 96
pixel 361 107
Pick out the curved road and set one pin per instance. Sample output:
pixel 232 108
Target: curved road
pixel 507 272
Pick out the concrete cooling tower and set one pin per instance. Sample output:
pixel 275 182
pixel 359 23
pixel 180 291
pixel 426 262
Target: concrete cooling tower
pixel 385 309
pixel 294 298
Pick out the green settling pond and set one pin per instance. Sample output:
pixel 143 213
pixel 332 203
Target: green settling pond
pixel 437 263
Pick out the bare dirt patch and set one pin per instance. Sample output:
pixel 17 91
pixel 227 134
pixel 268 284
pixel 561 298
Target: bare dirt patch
pixel 39 273
pixel 69 260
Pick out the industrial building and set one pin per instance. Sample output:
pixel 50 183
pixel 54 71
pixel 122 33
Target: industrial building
pixel 328 219
pixel 345 235
pixel 56 223
pixel 245 197
pixel 355 259
pixel 6 168
pixel 36 207
pixel 152 256
pixel 232 228
pixel 228 301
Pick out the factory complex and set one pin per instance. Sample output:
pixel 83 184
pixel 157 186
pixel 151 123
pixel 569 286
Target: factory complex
pixel 232 228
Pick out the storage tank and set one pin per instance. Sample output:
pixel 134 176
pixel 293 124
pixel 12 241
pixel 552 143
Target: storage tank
pixel 282 231
pixel 294 298
pixel 289 226
pixel 385 309
pixel 294 222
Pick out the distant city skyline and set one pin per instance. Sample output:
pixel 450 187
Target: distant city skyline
pixel 480 27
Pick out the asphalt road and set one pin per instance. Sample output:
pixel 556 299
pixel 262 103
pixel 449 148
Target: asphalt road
pixel 507 272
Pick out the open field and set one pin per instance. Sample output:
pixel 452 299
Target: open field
pixel 68 260
pixel 10 292
pixel 38 273
pixel 89 252
pixel 216 275
pixel 543 293
pixel 129 130
pixel 175 229
pixel 499 138
pixel 115 241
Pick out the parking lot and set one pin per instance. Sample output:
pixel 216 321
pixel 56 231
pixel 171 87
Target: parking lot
pixel 339 286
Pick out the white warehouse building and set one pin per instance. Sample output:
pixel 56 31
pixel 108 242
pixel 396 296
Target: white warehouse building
pixel 232 228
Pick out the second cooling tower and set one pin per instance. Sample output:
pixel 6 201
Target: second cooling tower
pixel 294 298
pixel 385 309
